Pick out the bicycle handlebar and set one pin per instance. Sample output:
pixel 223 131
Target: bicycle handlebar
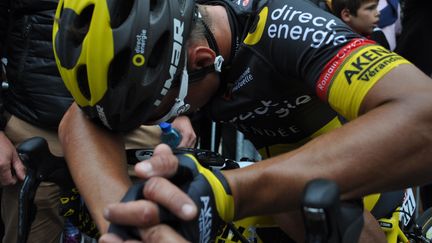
pixel 45 166
pixel 327 219
pixel 41 165
pixel 206 158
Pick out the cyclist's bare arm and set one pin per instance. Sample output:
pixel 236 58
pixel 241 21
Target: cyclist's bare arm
pixel 96 161
pixel 388 147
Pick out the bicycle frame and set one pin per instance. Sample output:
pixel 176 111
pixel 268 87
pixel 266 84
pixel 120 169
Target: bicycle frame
pixel 391 228
pixel 394 219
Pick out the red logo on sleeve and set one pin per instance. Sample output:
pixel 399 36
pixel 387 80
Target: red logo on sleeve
pixel 330 69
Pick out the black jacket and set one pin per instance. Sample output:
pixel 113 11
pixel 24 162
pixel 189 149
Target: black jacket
pixel 36 92
pixel 414 41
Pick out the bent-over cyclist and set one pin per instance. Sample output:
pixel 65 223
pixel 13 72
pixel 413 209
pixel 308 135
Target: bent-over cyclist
pixel 317 99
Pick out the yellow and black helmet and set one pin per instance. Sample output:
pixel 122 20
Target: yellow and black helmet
pixel 118 58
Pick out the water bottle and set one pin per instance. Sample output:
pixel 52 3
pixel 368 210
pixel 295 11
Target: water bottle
pixel 170 135
pixel 71 234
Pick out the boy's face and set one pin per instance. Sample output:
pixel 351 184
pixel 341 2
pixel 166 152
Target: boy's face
pixel 366 19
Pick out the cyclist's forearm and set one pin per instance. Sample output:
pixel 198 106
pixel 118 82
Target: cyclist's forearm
pixel 96 161
pixel 360 166
pixel 387 148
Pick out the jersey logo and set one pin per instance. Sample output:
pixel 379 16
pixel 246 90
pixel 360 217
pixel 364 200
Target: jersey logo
pixel 368 64
pixel 349 76
pixel 331 68
pixel 312 28
pixel 205 220
pixel 141 38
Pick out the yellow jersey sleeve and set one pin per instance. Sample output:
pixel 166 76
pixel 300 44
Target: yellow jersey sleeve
pixel 347 78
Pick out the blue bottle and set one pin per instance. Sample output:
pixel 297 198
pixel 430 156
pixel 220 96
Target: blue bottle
pixel 170 135
pixel 71 234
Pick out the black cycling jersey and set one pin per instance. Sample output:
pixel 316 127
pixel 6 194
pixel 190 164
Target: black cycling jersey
pixel 297 69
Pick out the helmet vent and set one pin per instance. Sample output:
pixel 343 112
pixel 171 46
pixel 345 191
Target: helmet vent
pixel 158 53
pixel 82 24
pixel 120 12
pixel 82 80
pixel 118 67
pixel 153 5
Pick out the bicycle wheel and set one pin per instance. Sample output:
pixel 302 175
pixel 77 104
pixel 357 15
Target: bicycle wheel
pixel 425 222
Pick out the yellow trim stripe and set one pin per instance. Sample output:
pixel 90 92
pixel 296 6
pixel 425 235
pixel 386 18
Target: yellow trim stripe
pixel 370 201
pixel 255 37
pixel 357 75
pixel 224 201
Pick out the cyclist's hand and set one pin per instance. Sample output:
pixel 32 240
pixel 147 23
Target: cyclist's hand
pixel 184 126
pixel 11 167
pixel 211 194
pixel 200 184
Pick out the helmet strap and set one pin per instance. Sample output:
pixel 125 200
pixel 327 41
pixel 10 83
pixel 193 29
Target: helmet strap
pixel 180 105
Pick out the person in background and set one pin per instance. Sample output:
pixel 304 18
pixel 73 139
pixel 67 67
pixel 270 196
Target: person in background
pixel 34 103
pixel 414 40
pixel 362 16
pixel 390 20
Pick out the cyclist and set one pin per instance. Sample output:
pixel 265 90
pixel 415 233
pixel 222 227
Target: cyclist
pixel 390 20
pixel 292 73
